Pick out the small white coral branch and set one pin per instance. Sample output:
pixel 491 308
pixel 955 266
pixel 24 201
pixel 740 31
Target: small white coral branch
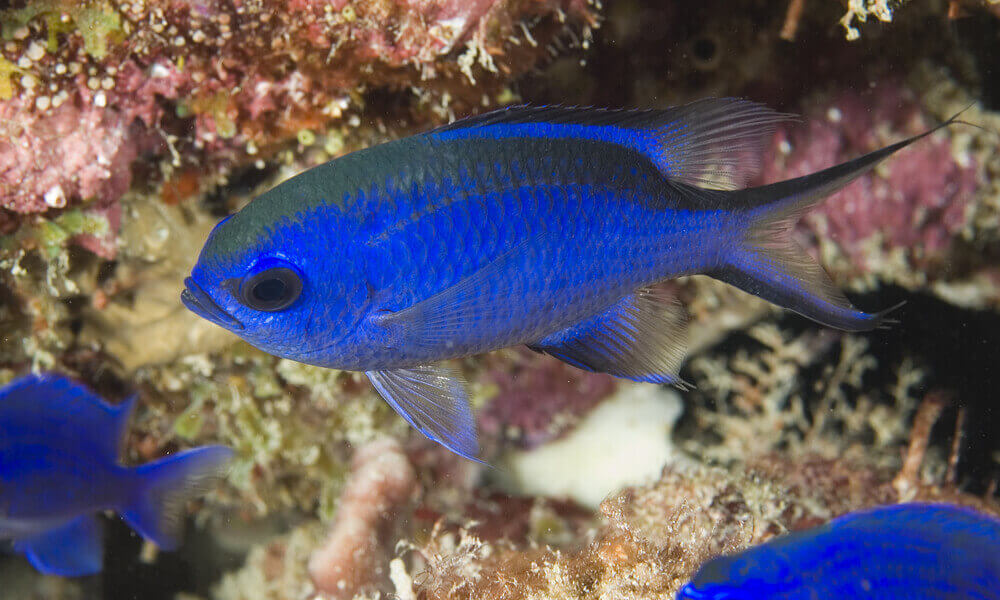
pixel 860 10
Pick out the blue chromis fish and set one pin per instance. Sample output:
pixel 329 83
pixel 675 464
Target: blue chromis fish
pixel 59 449
pixel 542 226
pixel 907 551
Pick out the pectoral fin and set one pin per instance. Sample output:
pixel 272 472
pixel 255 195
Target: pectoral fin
pixel 641 337
pixel 434 400
pixel 72 550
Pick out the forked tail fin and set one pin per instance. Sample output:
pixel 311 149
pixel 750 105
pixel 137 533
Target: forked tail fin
pixel 165 486
pixel 769 264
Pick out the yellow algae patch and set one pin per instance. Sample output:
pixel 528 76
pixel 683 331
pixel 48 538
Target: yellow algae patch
pixel 7 71
pixel 98 23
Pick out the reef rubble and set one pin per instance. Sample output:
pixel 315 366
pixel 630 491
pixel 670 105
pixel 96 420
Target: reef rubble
pixel 89 90
pixel 643 542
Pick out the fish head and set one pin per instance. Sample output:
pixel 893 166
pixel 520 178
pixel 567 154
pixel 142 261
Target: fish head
pixel 756 574
pixel 266 281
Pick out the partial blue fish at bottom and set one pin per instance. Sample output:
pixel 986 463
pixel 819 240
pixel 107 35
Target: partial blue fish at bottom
pixel 906 552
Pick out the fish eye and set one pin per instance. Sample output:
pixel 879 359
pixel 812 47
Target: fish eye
pixel 271 290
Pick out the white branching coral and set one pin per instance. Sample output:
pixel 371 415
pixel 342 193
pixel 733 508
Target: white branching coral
pixel 758 395
pixel 860 10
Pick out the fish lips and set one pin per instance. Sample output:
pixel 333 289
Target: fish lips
pixel 200 303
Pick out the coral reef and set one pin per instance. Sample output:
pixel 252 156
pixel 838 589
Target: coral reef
pixel 291 425
pixel 655 536
pixel 515 413
pixel 861 10
pixel 899 223
pixel 87 88
pixel 623 442
pixel 130 129
pixel 761 404
pixel 380 482
pixel 275 570
pixel 650 539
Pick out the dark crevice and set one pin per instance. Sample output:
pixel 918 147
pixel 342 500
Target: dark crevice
pixel 955 347
pixel 980 36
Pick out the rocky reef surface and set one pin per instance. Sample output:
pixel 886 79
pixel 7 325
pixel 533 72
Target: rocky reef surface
pixel 128 129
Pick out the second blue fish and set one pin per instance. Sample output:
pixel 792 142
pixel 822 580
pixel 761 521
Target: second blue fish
pixel 902 552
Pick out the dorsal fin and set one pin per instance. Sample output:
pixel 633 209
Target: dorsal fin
pixel 713 143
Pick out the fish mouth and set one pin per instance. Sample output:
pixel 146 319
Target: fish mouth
pixel 200 303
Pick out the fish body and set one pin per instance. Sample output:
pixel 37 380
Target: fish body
pixel 912 551
pixel 541 226
pixel 59 449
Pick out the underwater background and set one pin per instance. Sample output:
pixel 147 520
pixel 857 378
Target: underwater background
pixel 129 129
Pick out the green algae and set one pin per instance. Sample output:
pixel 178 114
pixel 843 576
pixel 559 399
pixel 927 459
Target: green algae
pixel 306 137
pixel 334 144
pixel 190 422
pixel 292 426
pixel 54 234
pixel 51 236
pixel 98 23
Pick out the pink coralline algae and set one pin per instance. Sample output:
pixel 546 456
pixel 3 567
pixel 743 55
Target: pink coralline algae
pixel 87 90
pixel 916 202
pixel 106 245
pixel 82 149
pixel 349 561
pixel 540 398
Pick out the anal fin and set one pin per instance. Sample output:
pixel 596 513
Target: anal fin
pixel 642 337
pixel 434 400
pixel 73 550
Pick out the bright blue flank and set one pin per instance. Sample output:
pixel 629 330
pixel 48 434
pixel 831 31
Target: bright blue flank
pixel 59 448
pixel 549 227
pixel 911 551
